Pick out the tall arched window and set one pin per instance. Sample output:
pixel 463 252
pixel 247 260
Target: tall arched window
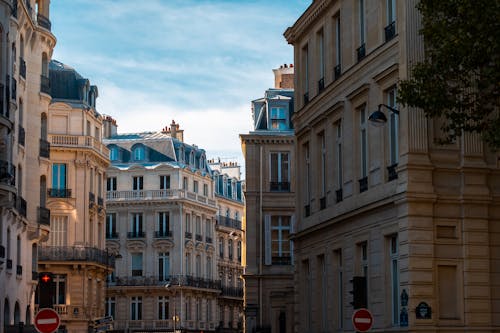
pixel 43 127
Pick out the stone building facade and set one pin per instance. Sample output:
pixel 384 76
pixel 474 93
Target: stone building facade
pixel 26 44
pixel 75 253
pixel 269 154
pixel 414 220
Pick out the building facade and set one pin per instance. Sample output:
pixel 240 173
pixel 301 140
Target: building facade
pixel 26 44
pixel 161 218
pixel 230 233
pixel 269 153
pixel 74 254
pixel 408 223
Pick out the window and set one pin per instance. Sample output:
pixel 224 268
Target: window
pixel 278 118
pixel 164 266
pixel 321 56
pixel 322 163
pixel 393 127
pixel 363 149
pixel 111 226
pixel 361 9
pixel 307 178
pixel 230 248
pixel 305 78
pixel 188 223
pixel 391 11
pixel 138 183
pixel 198 265
pixel 394 273
pixel 239 251
pixel 163 305
pixel 205 190
pixel 221 247
pixel 338 49
pixel 136 264
pixel 195 186
pixel 185 183
pixel 114 154
pixel 139 154
pixel 209 268
pixel 340 288
pixel 322 285
pixel 163 224
pixel 208 228
pixel 209 310
pixel 136 225
pixel 188 308
pixel 198 225
pixel 59 176
pixel 164 182
pixel 280 171
pixel 198 308
pixel 58 230
pixel 338 144
pixel 59 283
pixel 136 308
pixel 110 307
pixel 188 263
pixel 277 234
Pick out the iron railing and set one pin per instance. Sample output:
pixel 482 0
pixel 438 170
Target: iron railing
pixel 232 291
pixel 188 235
pixel 339 195
pixel 59 192
pixel 174 281
pixel 4 109
pixel 22 67
pixel 361 52
pixel 21 136
pixel 163 234
pixel 136 234
pixel 91 198
pixel 306 98
pixel 75 253
pixel 43 216
pixel 307 210
pixel 2 251
pixel 45 84
pixel 390 31
pixel 363 184
pixel 44 22
pixel 337 72
pixel 283 260
pixel 322 203
pixel 199 238
pixel 208 239
pixel 280 186
pixel 228 222
pixel 44 148
pixel 19 270
pixel 21 206
pixel 321 85
pixel 7 173
pixel 392 173
pixel 100 201
pixel 112 235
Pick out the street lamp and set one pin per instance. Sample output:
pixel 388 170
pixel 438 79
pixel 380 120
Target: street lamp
pixel 378 118
pixel 175 317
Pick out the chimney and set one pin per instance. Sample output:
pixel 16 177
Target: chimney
pixel 110 127
pixel 283 77
pixel 174 131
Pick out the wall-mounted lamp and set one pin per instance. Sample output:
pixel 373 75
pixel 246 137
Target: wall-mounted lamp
pixel 378 118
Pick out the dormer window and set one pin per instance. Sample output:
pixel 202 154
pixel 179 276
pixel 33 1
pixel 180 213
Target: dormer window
pixel 113 154
pixel 181 154
pixel 139 153
pixel 202 162
pixel 278 118
pixel 191 158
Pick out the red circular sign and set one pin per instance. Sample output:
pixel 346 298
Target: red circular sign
pixel 362 320
pixel 47 321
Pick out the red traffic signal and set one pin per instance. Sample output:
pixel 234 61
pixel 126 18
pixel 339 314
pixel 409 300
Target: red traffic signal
pixel 45 277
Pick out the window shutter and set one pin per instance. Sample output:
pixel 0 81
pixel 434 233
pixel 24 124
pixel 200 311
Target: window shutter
pixel 292 231
pixel 267 243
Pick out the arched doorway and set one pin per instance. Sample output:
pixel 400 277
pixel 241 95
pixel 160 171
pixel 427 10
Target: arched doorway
pixel 6 313
pixel 17 314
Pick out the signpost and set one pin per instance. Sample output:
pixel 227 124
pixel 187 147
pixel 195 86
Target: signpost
pixel 47 321
pixel 362 320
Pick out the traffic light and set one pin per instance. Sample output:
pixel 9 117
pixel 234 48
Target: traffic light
pixel 359 292
pixel 46 290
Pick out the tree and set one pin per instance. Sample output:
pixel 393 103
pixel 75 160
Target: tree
pixel 459 77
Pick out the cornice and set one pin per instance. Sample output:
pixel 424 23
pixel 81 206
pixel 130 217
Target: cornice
pixel 292 34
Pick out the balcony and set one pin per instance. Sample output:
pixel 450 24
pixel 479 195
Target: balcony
pixel 136 234
pixel 321 85
pixel 145 195
pixel 188 235
pixel 306 98
pixel 2 252
pixel 19 270
pixel 160 281
pixel 361 52
pixel 339 195
pixel 43 216
pixel 390 31
pixel 79 141
pixel 232 291
pixel 75 253
pixel 363 184
pixel 59 192
pixel 44 148
pixel 307 210
pixel 21 206
pixel 7 173
pixel 44 84
pixel 112 235
pixel 9 263
pixel 21 136
pixel 208 240
pixel 100 201
pixel 228 222
pixel 44 22
pixel 91 199
pixel 322 203
pixel 163 234
pixel 14 89
pixel 22 68
pixel 337 72
pixel 280 186
pixel 199 238
pixel 4 109
pixel 391 172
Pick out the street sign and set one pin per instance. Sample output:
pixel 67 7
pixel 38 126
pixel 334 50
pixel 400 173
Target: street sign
pixel 47 321
pixel 362 320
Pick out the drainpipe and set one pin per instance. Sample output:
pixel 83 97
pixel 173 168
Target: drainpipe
pixel 260 236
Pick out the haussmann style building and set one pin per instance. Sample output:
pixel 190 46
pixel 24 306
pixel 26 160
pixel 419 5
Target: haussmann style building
pixel 269 152
pixel 406 223
pixel 26 44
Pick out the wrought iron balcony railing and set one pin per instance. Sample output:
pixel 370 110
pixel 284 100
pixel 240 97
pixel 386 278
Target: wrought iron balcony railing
pixel 163 234
pixel 321 85
pixel 59 192
pixel 361 52
pixel 306 98
pixel 91 197
pixel 7 173
pixel 75 253
pixel 19 270
pixel 100 201
pixel 21 136
pixel 161 281
pixel 44 84
pixel 188 235
pixel 44 148
pixel 22 68
pixel 43 216
pixel 392 173
pixel 339 195
pixel 136 234
pixel 232 291
pixel 390 31
pixel 44 22
pixel 228 222
pixel 112 235
pixel 283 260
pixel 337 72
pixel 280 186
pixel 363 184
pixel 208 239
pixel 21 206
pixel 199 238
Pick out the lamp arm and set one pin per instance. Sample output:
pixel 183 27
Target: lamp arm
pixel 396 111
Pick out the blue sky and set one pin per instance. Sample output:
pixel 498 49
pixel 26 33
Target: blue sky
pixel 199 62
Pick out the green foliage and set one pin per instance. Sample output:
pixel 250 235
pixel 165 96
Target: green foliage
pixel 459 79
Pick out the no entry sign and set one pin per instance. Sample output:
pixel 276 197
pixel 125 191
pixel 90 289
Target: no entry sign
pixel 47 321
pixel 362 320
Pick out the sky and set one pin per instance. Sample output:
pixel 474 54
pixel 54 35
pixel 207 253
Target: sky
pixel 198 62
